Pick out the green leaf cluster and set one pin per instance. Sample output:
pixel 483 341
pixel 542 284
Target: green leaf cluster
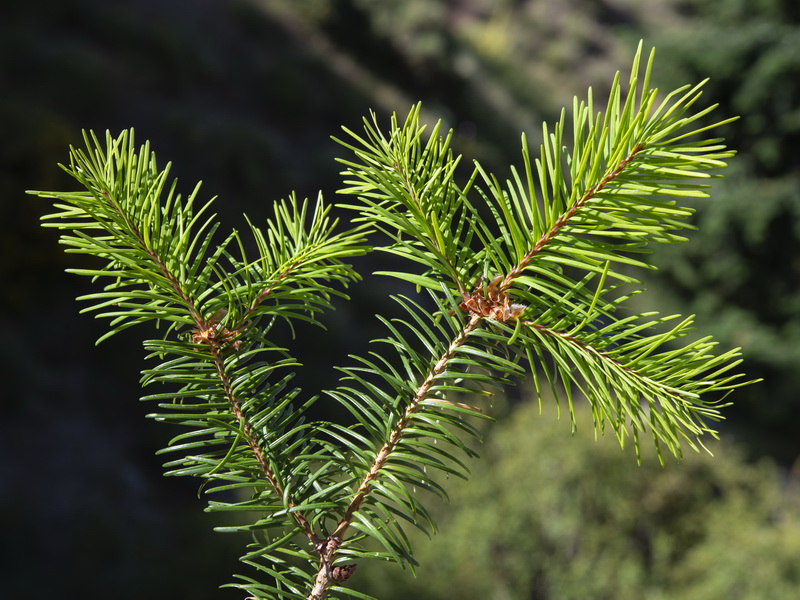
pixel 526 275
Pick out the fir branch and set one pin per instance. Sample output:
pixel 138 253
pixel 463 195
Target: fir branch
pixel 529 273
pixel 564 218
pixel 581 212
pixel 402 423
pixel 161 266
pixel 255 447
pixel 326 576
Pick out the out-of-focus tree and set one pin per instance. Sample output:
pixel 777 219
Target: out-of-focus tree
pixel 551 520
pixel 742 272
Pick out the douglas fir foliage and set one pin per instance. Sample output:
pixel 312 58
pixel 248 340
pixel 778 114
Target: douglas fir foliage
pixel 527 275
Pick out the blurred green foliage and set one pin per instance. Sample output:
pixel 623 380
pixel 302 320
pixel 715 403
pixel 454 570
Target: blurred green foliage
pixel 547 517
pixel 741 274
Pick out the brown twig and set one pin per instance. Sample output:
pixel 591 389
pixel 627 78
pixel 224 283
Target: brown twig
pixel 548 235
pixel 326 576
pixel 255 448
pixel 206 332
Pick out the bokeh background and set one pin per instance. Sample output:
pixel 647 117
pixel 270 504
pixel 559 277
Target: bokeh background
pixel 245 94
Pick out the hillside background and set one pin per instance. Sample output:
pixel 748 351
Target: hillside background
pixel 245 95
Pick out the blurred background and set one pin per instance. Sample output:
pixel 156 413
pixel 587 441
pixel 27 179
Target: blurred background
pixel 245 94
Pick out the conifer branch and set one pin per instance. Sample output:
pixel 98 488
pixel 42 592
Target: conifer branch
pixel 516 276
pixel 397 431
pixel 205 325
pixel 562 220
pixel 432 227
pixel 325 577
pixel 255 447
